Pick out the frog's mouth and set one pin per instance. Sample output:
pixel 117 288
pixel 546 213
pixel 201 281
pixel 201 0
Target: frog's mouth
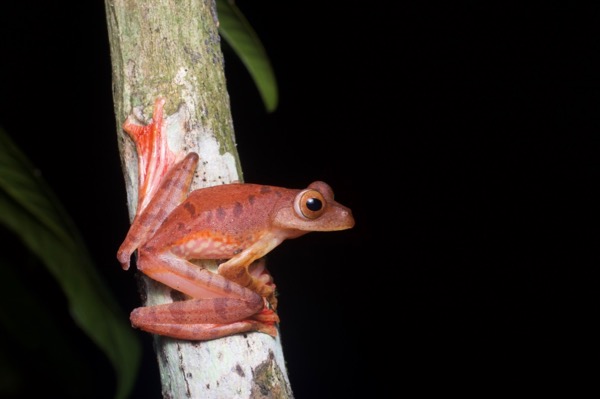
pixel 337 217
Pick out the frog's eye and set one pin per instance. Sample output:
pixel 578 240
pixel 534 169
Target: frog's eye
pixel 309 204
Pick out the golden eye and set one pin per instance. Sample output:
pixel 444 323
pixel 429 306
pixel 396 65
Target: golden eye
pixel 309 204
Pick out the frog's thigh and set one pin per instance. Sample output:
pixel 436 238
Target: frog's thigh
pixel 193 280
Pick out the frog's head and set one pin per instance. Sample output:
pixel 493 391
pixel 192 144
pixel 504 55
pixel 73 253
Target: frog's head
pixel 314 209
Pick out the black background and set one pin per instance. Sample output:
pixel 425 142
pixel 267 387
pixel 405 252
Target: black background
pixel 463 137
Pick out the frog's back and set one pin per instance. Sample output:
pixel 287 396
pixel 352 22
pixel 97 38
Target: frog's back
pixel 234 211
pixel 238 195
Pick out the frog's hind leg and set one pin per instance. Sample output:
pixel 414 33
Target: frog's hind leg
pixel 198 319
pixel 172 191
pixel 194 281
pixel 218 306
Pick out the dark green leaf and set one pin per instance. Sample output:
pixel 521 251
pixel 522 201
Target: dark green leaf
pixel 236 30
pixel 34 331
pixel 31 211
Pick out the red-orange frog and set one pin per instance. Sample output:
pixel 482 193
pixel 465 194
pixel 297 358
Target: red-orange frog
pixel 238 223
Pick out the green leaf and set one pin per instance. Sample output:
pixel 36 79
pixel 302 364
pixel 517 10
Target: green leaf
pixel 35 332
pixel 236 30
pixel 30 210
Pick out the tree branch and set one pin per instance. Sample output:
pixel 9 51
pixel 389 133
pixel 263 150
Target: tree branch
pixel 172 49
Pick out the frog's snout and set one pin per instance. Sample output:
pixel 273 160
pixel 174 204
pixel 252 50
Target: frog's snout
pixel 348 219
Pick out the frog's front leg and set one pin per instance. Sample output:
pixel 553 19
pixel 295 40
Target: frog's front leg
pixel 239 268
pixel 218 307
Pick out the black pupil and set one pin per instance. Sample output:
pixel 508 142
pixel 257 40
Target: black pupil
pixel 314 204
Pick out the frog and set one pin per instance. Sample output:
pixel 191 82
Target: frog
pixel 235 224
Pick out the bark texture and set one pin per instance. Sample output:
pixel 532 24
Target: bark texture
pixel 171 48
